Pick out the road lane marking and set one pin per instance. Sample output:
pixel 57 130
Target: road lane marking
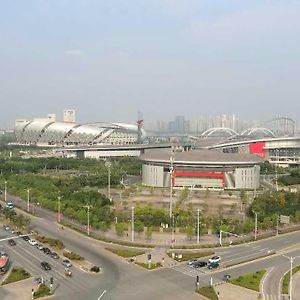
pixel 263 281
pixel 101 295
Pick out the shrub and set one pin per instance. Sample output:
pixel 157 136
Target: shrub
pixel 95 269
pixel 72 255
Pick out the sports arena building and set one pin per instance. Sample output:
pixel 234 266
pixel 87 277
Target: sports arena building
pixel 46 132
pixel 201 169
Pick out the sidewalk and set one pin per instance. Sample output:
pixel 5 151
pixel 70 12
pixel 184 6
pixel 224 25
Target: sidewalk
pixel 232 292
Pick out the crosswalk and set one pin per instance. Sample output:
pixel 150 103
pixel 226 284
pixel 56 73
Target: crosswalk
pixel 190 271
pixel 274 297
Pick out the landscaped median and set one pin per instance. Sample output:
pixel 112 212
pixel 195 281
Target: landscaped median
pixel 184 256
pixel 42 291
pixel 149 266
pixel 125 253
pixel 286 280
pixel 250 281
pixel 17 274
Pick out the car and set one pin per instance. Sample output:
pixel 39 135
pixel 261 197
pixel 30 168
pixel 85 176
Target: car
pixel 39 246
pixel 54 255
pixel 10 205
pixel 26 238
pixel 32 242
pixel 214 259
pixel 46 266
pixel 46 250
pixel 213 265
pixel 18 233
pixel 67 263
pixel 199 264
pixel 191 262
pixel 12 231
pixel 12 242
pixel 226 277
pixel 6 227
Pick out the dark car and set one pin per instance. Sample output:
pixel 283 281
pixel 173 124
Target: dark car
pixel 199 264
pixel 46 250
pixel 54 255
pixel 26 238
pixel 45 266
pixel 12 242
pixel 213 266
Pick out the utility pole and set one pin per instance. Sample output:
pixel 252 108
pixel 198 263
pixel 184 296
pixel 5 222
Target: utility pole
pixel 171 182
pixel 5 191
pixel 108 165
pixel 198 226
pixel 28 200
pixel 58 215
pixel 88 217
pixel 132 223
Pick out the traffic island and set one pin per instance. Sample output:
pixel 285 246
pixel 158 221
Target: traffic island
pixel 42 291
pixel 149 266
pixel 16 274
pixel 208 292
pixel 125 253
pixel 250 281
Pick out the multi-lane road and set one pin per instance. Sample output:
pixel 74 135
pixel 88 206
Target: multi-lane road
pixel 121 280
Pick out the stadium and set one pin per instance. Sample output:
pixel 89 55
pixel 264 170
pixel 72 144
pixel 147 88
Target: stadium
pixel 45 132
pixel 202 169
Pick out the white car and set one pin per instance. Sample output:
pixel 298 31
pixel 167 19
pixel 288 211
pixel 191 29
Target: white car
pixel 32 242
pixel 214 259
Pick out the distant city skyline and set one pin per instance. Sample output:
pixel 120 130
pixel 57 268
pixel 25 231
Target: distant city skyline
pixel 108 60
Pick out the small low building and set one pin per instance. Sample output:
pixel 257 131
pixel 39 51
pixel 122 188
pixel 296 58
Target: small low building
pixel 201 169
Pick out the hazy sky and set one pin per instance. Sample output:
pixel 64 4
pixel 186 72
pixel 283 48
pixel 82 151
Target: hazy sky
pixel 109 59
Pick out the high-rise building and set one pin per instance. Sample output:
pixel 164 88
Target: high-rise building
pixel 69 115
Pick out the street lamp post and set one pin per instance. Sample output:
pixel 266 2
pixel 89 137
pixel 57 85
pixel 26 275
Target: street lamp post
pixel 198 226
pixel 173 230
pixel 28 200
pixel 88 218
pixel 5 191
pixel 132 223
pixel 291 259
pixel 171 182
pixel 255 229
pixel 58 214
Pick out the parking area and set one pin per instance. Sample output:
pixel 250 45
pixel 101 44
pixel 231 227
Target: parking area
pixel 41 262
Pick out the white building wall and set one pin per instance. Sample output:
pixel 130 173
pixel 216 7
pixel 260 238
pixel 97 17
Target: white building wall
pixel 153 175
pixel 247 178
pixel 117 153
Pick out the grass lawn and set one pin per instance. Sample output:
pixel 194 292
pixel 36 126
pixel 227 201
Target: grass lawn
pixel 208 292
pixel 286 280
pixel 191 255
pixel 146 266
pixel 42 291
pixel 125 253
pixel 250 281
pixel 16 274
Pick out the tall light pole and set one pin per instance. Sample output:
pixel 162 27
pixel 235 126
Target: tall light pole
pixel 173 231
pixel 5 191
pixel 255 229
pixel 88 217
pixel 132 223
pixel 58 213
pixel 28 199
pixel 108 165
pixel 171 182
pixel 198 226
pixel 291 259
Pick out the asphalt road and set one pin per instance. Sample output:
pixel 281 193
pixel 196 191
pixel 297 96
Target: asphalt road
pixel 121 280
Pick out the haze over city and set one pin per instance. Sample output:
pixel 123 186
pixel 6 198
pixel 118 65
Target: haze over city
pixel 110 59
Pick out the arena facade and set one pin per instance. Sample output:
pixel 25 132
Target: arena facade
pixel 45 132
pixel 200 169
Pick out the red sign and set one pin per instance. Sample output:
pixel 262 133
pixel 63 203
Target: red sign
pixel 258 149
